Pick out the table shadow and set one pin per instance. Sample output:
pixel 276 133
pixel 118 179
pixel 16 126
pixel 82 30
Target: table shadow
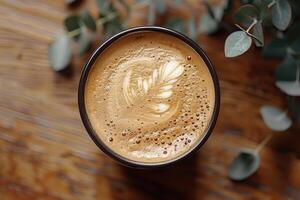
pixel 177 181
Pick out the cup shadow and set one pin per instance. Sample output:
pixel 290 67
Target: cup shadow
pixel 177 181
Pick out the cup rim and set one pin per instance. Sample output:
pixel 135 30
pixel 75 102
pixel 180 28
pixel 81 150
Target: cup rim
pixel 84 116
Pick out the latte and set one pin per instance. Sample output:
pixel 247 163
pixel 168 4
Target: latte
pixel 149 97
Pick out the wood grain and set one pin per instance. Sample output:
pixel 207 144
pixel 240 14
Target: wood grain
pixel 45 152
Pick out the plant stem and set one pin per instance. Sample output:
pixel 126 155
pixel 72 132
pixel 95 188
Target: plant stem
pixel 271 4
pixel 251 25
pixel 263 143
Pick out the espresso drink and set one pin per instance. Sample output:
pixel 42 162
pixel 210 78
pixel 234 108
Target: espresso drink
pixel 149 97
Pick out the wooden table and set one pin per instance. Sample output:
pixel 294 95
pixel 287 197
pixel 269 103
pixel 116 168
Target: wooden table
pixel 45 152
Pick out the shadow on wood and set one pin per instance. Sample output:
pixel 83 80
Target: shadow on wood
pixel 173 182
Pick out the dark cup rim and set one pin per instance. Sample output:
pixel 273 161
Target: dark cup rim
pixel 84 115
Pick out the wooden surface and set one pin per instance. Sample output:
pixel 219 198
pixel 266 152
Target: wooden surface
pixel 45 152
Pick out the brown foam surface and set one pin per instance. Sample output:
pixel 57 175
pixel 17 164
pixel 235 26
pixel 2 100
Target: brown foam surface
pixel 149 97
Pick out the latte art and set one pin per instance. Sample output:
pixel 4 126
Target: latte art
pixel 149 97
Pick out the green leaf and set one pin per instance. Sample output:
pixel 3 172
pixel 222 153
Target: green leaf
pixel 237 43
pixel 160 6
pixel 72 23
pixel 281 14
pixel 113 26
pixel 259 34
pixel 88 20
pixel 209 24
pixel 192 28
pixel 84 44
pixel 103 6
pixel 246 14
pixel 151 13
pixel 291 88
pixel 275 119
pixel 177 24
pixel 209 10
pixel 276 48
pixel 59 53
pixel 245 164
pixel 287 70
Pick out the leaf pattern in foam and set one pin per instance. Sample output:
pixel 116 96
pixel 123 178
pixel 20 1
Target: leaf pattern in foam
pixel 157 86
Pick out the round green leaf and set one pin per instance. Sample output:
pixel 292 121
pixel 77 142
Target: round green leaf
pixel 276 48
pixel 291 88
pixel 72 23
pixel 275 119
pixel 244 165
pixel 59 53
pixel 287 70
pixel 237 43
pixel 281 14
pixel 246 14
pixel 84 43
pixel 88 20
pixel 259 34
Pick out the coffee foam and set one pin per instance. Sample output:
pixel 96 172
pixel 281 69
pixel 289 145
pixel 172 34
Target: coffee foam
pixel 149 97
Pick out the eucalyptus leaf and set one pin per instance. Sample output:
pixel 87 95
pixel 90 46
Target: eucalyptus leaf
pixel 291 88
pixel 59 53
pixel 72 23
pixel 84 43
pixel 246 14
pixel 281 14
pixel 259 34
pixel 151 13
pixel 113 26
pixel 161 6
pixel 192 28
pixel 275 119
pixel 209 10
pixel 287 70
pixel 88 20
pixel 208 25
pixel 176 24
pixel 276 48
pixel 211 24
pixel 245 164
pixel 237 43
pixel 103 6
